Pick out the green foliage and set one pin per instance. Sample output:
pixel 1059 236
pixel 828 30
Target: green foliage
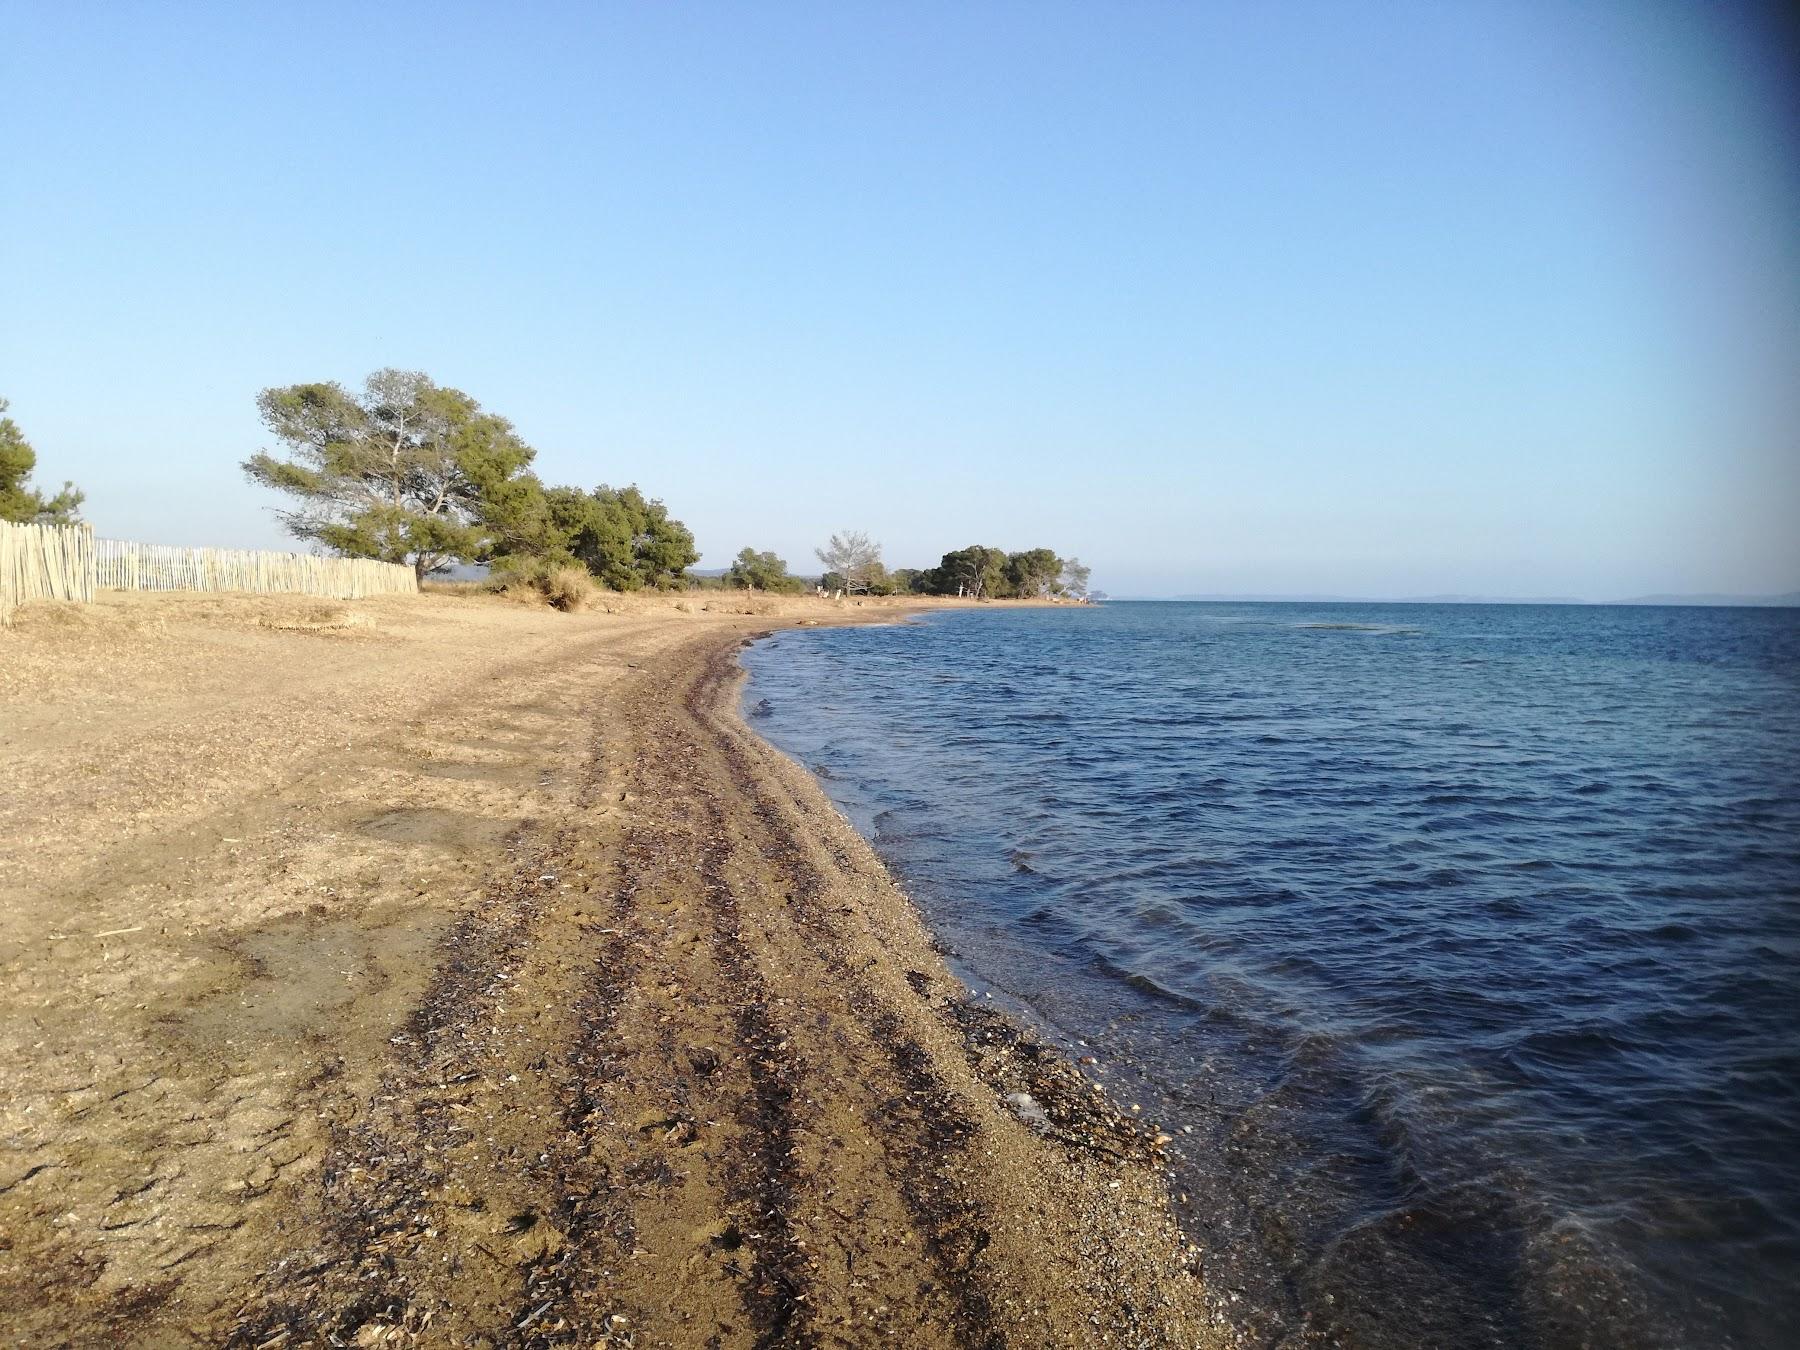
pixel 1033 574
pixel 872 578
pixel 625 539
pixel 975 570
pixel 994 574
pixel 19 502
pixel 408 471
pixel 879 581
pixel 753 571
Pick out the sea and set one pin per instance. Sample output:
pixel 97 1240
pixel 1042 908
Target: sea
pixel 1457 946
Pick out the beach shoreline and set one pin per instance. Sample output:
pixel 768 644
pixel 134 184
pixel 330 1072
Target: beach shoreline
pixel 439 971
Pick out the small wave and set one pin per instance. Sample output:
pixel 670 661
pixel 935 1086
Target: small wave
pixel 1392 630
pixel 1560 1050
pixel 1146 984
pixel 1158 914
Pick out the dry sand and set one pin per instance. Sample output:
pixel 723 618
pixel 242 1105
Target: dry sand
pixel 448 972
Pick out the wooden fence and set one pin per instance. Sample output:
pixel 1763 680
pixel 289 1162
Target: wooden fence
pixel 44 562
pixel 160 567
pixel 66 562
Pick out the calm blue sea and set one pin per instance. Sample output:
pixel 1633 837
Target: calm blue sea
pixel 1459 946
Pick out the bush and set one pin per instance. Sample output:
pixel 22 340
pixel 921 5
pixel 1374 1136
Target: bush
pixel 753 571
pixel 567 588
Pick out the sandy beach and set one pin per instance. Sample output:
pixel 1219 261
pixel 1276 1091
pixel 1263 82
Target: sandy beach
pixel 441 971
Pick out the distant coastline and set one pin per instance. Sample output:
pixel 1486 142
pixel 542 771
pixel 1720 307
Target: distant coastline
pixel 1786 600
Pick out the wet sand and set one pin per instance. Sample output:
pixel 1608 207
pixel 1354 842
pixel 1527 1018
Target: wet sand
pixel 445 972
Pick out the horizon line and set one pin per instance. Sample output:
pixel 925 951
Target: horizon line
pixel 1671 600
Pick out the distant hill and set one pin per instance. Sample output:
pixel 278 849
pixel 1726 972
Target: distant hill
pixel 1786 600
pixel 1368 600
pixel 1489 600
pixel 1259 599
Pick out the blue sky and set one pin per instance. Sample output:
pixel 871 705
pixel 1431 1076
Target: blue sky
pixel 1370 299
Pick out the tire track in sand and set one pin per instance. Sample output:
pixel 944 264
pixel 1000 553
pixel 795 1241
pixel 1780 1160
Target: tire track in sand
pixel 922 1129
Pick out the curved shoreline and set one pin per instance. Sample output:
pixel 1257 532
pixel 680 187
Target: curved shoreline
pixel 638 1038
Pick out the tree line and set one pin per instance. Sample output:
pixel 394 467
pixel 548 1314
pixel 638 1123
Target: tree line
pixel 409 471
pixel 853 564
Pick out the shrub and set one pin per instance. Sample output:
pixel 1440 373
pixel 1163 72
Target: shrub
pixel 567 588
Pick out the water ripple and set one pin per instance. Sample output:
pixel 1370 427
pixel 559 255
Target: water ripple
pixel 1459 945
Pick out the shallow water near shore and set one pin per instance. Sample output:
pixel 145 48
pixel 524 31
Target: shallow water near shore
pixel 1457 945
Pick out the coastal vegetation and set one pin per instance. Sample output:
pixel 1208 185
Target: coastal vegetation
pixel 753 571
pixel 410 471
pixel 979 572
pixel 625 540
pixel 994 574
pixel 852 563
pixel 19 501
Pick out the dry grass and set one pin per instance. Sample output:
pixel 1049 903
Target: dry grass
pixel 116 613
pixel 569 589
pixel 319 618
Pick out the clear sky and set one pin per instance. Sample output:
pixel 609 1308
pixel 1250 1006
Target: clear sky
pixel 1369 298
